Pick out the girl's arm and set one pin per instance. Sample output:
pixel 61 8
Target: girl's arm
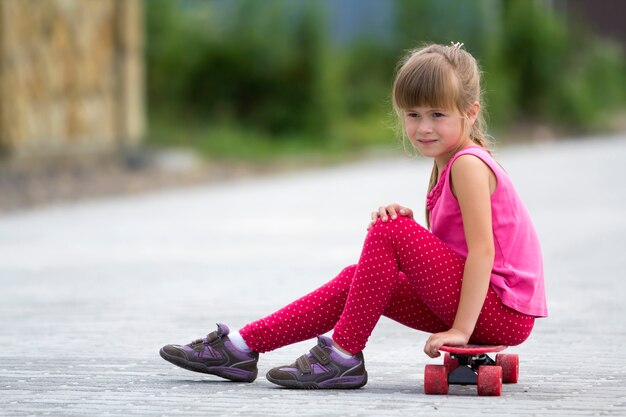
pixel 473 183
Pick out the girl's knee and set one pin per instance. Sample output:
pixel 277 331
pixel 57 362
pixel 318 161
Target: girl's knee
pixel 349 271
pixel 345 276
pixel 400 223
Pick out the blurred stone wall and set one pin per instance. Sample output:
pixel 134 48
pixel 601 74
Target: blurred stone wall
pixel 71 76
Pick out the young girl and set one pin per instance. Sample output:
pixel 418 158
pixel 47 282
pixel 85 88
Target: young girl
pixel 475 275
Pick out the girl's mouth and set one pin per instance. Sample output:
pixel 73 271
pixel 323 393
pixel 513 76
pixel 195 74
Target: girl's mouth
pixel 427 141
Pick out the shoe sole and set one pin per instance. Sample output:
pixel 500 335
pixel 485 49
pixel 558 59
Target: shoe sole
pixel 346 382
pixel 232 374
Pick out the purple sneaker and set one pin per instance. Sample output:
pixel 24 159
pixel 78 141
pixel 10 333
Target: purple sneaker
pixel 322 368
pixel 216 355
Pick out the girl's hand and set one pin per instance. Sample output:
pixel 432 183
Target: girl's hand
pixel 451 337
pixel 391 211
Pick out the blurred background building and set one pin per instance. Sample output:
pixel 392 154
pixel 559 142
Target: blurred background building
pixel 71 76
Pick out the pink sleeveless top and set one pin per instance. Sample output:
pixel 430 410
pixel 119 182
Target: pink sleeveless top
pixel 517 275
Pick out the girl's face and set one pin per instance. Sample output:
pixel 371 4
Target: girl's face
pixel 436 133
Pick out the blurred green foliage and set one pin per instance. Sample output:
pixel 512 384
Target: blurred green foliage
pixel 557 75
pixel 263 67
pixel 236 78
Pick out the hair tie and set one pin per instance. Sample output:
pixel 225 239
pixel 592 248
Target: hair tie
pixel 456 45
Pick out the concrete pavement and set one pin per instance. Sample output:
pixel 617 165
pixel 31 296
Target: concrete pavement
pixel 89 292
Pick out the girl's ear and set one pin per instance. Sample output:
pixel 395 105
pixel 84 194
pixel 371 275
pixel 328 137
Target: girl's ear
pixel 472 112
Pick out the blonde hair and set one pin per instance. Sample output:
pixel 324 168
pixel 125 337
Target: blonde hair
pixel 446 77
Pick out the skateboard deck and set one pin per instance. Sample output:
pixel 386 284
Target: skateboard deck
pixel 470 365
pixel 472 349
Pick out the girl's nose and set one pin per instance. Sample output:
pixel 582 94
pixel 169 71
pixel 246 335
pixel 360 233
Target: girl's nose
pixel 425 126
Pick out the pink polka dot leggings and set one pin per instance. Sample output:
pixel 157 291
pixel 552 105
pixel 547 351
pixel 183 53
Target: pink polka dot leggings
pixel 405 273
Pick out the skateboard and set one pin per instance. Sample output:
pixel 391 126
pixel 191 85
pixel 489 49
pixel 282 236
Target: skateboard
pixel 470 365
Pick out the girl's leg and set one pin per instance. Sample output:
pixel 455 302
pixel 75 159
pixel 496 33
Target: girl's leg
pixel 433 270
pixel 353 301
pixel 428 301
pixel 309 316
pixel 318 312
pixel 434 273
pixel 406 307
pixel 425 297
pixel 375 283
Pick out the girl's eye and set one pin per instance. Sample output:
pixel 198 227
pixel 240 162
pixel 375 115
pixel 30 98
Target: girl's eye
pixel 437 115
pixel 412 115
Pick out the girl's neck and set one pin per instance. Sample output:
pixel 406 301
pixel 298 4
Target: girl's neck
pixel 443 160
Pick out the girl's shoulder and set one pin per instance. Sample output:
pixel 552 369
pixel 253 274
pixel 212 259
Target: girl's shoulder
pixel 474 157
pixel 470 169
pixel 475 150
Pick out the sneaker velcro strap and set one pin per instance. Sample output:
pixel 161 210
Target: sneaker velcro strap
pixel 321 355
pixel 214 339
pixel 198 345
pixel 303 364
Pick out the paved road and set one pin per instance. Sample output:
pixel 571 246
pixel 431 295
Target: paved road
pixel 89 292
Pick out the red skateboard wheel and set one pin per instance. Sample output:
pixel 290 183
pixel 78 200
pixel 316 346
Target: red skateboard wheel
pixel 490 380
pixel 510 367
pixel 436 379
